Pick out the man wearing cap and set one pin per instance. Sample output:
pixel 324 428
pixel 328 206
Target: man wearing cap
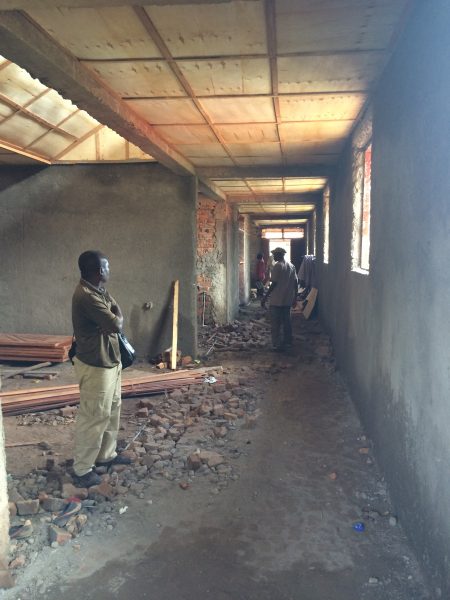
pixel 283 297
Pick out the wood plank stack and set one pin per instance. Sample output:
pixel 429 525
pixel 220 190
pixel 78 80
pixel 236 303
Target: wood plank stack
pixel 34 347
pixel 38 399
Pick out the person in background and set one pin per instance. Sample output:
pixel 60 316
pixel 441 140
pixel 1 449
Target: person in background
pixel 97 319
pixel 270 265
pixel 283 296
pixel 260 275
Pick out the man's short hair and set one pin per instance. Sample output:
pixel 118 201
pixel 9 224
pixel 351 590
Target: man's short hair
pixel 259 255
pixel 90 262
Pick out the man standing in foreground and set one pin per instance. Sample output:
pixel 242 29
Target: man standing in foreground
pixel 283 296
pixel 97 319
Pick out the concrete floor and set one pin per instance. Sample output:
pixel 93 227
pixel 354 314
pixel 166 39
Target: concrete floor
pixel 283 531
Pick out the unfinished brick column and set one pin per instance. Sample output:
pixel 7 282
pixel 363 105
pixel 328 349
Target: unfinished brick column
pixel 211 258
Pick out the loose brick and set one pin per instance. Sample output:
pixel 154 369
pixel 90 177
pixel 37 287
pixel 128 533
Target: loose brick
pixel 58 535
pixel 27 507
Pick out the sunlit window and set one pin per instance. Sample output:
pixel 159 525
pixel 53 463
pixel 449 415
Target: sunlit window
pixel 362 184
pixel 326 224
pixel 283 233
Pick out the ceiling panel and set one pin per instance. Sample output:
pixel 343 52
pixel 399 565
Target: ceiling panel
pixel 231 28
pixel 79 124
pixel 363 24
pixel 186 134
pixel 21 131
pixel 299 184
pixel 18 85
pixel 321 107
pixel 228 76
pixel 312 132
pixel 271 150
pixel 239 110
pixel 52 107
pixel 98 33
pixel 52 144
pixel 5 110
pixel 299 157
pixel 255 133
pixel 255 208
pixel 230 183
pixel 330 73
pixel 166 112
pixel 131 79
pixel 212 161
pixel 248 161
pixel 199 150
pixel 111 145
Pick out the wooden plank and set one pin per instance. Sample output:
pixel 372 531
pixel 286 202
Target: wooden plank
pixel 173 353
pixel 25 370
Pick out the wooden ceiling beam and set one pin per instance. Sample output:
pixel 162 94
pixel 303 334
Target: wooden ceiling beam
pixel 31 4
pixel 25 43
pixel 266 172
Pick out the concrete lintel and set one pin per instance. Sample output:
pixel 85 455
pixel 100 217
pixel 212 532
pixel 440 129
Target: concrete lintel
pixel 281 198
pixel 32 4
pixel 269 172
pixel 27 45
pixel 209 189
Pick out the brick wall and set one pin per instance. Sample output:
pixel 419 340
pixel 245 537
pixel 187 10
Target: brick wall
pixel 212 221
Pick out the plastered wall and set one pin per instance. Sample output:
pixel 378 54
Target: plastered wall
pixel 391 328
pixel 142 216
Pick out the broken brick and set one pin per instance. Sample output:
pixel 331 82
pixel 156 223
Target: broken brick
pixel 194 462
pixel 27 507
pixel 212 459
pixel 69 490
pixel 58 535
pixel 50 504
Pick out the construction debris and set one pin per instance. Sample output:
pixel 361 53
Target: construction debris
pixel 183 434
pixel 33 347
pixel 236 336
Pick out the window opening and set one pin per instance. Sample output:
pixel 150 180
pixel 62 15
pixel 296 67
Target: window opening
pixel 326 224
pixel 365 208
pixel 362 179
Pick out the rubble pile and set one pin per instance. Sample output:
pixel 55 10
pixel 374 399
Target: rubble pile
pixel 183 435
pixel 62 416
pixel 236 336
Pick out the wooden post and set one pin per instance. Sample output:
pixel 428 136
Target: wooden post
pixel 173 356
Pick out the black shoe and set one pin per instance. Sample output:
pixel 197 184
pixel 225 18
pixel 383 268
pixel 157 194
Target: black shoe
pixel 118 460
pixel 88 480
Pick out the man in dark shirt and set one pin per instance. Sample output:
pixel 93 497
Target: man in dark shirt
pixel 97 319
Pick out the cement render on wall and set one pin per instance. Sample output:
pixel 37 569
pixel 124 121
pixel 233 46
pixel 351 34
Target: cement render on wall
pixel 391 328
pixel 141 216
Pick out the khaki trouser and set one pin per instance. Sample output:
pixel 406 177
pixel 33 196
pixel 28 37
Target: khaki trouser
pixel 98 416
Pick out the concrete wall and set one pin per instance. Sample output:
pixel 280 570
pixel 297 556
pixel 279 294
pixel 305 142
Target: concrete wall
pixel 142 216
pixel 232 263
pixel 391 328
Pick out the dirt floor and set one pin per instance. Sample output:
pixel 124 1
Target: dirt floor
pixel 275 520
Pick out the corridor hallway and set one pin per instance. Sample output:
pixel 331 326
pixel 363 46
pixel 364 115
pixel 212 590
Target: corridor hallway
pixel 282 530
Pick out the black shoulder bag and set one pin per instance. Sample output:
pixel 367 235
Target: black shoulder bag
pixel 127 352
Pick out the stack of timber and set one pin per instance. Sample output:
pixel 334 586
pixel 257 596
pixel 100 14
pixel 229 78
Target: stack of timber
pixel 39 399
pixel 34 347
